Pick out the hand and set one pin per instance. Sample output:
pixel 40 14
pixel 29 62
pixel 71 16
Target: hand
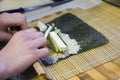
pixel 24 48
pixel 7 20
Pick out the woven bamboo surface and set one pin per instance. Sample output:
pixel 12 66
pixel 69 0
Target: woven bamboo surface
pixel 91 64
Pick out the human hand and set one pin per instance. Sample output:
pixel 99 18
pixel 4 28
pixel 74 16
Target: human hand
pixel 24 48
pixel 7 20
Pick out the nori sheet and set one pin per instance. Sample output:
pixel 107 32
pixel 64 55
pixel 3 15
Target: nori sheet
pixel 86 36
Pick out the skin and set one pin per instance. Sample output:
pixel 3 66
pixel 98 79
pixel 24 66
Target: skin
pixel 23 49
pixel 7 20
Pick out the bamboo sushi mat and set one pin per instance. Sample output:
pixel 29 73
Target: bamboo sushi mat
pixel 90 64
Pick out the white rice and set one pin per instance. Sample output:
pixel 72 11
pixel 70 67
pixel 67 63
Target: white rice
pixel 73 47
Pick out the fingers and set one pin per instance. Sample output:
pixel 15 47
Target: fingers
pixel 21 20
pixel 5 36
pixel 38 39
pixel 15 19
pixel 39 42
pixel 36 35
pixel 30 30
pixel 35 38
pixel 33 33
pixel 42 52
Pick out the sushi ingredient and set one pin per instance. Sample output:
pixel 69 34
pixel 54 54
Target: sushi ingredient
pixel 42 27
pixel 58 42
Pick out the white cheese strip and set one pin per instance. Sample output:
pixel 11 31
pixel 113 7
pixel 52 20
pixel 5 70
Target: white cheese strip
pixel 42 27
pixel 60 44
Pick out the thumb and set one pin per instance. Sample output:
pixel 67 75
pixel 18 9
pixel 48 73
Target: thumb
pixel 5 36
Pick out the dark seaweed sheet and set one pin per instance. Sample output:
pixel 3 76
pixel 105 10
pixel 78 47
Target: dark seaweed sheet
pixel 86 36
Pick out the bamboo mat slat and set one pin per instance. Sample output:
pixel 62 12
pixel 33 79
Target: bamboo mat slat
pixel 90 65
